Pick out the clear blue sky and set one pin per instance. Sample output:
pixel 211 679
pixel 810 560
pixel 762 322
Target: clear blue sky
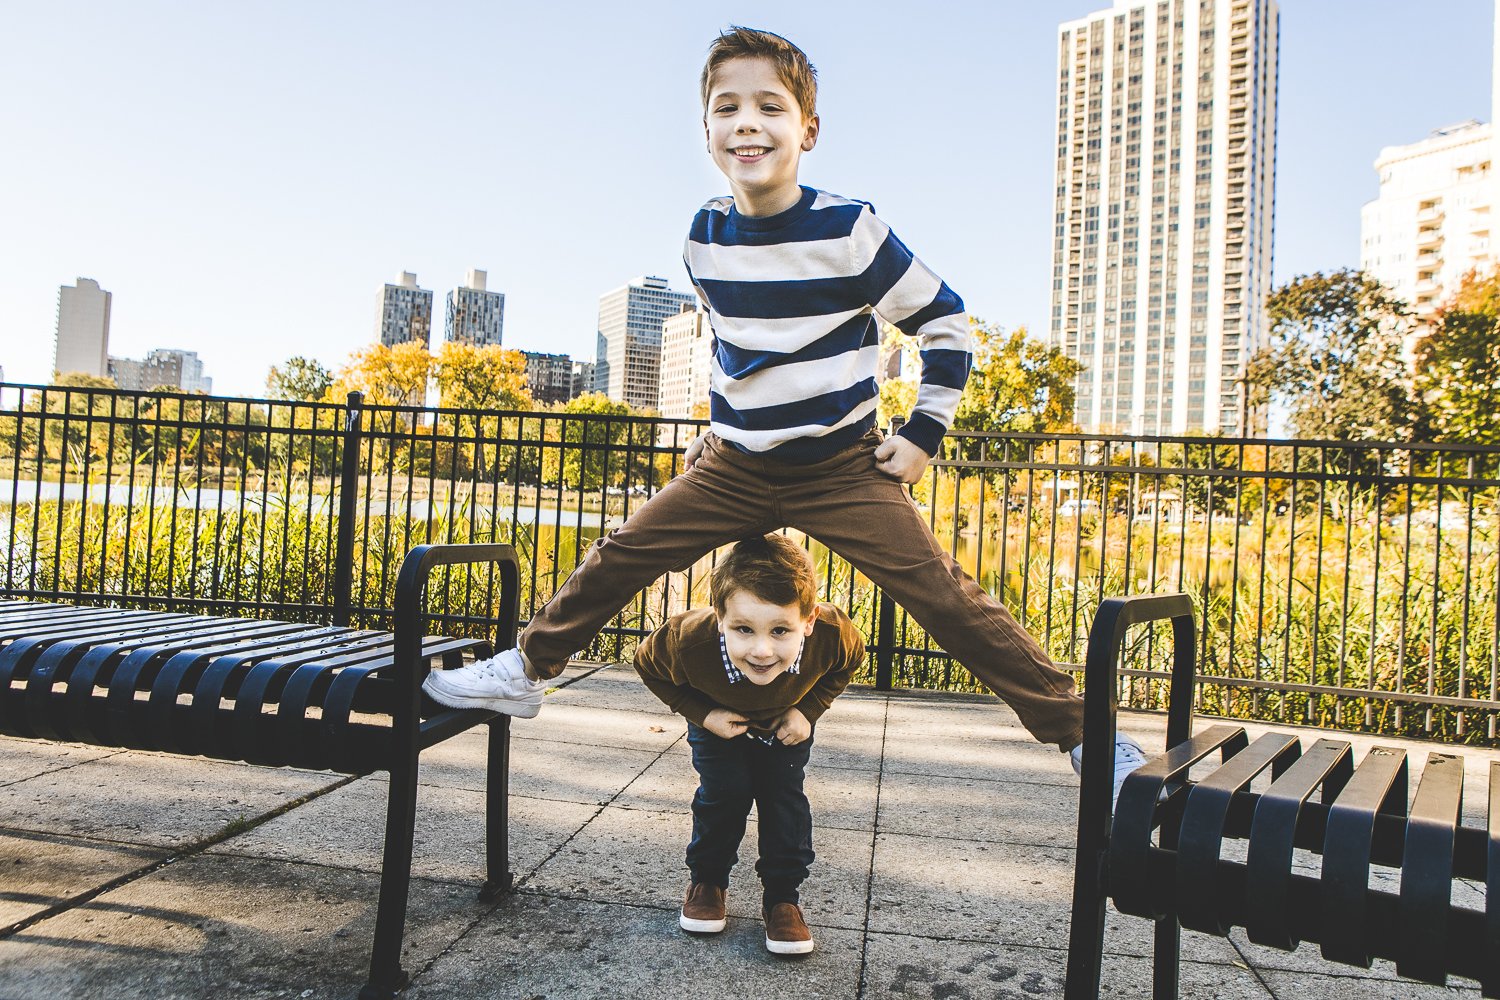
pixel 245 177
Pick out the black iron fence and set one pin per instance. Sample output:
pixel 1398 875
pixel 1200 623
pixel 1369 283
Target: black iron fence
pixel 1346 584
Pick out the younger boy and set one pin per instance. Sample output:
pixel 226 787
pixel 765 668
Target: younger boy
pixel 796 282
pixel 752 675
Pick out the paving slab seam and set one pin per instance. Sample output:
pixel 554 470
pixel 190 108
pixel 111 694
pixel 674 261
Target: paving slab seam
pixel 232 829
pixel 862 982
pixel 928 835
pixel 518 887
pixel 65 767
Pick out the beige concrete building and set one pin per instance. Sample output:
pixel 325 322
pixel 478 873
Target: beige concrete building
pixel 1430 224
pixel 686 361
pixel 82 329
pixel 1166 144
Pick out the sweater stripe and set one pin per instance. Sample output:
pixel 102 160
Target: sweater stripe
pixel 795 301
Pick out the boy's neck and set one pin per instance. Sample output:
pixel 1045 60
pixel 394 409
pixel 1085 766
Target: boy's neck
pixel 759 204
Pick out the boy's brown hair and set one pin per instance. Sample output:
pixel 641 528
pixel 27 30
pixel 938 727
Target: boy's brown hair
pixel 791 63
pixel 771 567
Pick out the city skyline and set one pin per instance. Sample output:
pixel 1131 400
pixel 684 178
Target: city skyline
pixel 286 182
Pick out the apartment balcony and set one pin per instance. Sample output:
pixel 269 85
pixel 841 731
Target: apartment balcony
pixel 1431 214
pixel 1427 285
pixel 1429 237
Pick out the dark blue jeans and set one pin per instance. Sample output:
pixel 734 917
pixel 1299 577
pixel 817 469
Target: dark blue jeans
pixel 731 775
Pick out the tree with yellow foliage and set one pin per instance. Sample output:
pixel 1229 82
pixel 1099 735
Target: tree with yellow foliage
pixel 489 377
pixel 388 376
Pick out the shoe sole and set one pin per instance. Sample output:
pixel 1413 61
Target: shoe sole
pixel 687 923
pixel 505 706
pixel 789 947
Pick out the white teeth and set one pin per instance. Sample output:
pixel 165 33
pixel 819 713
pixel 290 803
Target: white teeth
pixel 750 152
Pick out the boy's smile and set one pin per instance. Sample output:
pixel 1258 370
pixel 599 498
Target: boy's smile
pixel 757 134
pixel 762 639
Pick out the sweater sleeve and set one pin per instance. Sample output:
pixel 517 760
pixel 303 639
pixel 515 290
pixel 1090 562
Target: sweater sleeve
pixel 905 293
pixel 851 653
pixel 654 658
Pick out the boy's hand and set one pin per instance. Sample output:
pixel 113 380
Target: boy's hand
pixel 793 727
pixel 900 459
pixel 694 449
pixel 725 724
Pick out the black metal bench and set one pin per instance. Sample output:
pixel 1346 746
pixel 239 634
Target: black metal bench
pixel 269 692
pixel 1160 855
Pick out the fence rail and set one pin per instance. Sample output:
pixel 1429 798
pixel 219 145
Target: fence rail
pixel 1336 583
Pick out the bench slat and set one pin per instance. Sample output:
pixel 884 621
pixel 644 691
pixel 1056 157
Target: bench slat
pixel 1378 786
pixel 1273 832
pixel 1135 816
pixel 1427 870
pixel 1200 897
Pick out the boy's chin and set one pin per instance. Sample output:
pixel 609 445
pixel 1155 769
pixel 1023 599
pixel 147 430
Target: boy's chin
pixel 762 678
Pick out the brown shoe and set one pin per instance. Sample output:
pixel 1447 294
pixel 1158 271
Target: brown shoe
pixel 702 909
pixel 786 931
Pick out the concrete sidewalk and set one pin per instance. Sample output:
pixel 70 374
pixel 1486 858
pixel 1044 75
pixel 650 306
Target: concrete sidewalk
pixel 944 839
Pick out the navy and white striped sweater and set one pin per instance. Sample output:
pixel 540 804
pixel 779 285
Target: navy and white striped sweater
pixel 795 301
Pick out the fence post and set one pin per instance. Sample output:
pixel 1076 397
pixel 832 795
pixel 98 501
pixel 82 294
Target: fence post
pixel 343 554
pixel 885 643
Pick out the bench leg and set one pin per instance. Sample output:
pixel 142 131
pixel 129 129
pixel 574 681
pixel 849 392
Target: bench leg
pixel 387 978
pixel 1086 934
pixel 1165 965
pixel 498 878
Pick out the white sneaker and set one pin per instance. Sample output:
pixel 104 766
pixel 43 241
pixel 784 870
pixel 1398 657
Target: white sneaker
pixel 1128 757
pixel 498 684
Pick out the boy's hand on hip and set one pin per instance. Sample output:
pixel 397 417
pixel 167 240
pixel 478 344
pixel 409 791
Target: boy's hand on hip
pixel 900 459
pixel 792 728
pixel 694 450
pixel 724 724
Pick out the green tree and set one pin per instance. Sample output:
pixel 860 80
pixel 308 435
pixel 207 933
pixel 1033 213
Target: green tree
pixel 1016 384
pixel 299 379
pixel 1334 360
pixel 1458 365
pixel 592 451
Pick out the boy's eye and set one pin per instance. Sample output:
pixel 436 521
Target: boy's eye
pixel 723 108
pixel 744 630
pixel 780 630
pixel 770 107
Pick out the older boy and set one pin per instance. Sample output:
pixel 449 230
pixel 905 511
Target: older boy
pixel 752 675
pixel 796 281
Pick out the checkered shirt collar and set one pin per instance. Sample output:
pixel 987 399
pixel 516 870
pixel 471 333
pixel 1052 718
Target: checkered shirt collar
pixel 736 675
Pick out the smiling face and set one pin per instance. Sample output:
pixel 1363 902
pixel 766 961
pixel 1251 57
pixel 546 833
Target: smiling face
pixel 763 639
pixel 757 134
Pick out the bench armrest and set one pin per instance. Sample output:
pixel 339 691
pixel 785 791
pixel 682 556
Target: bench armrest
pixel 1101 663
pixel 411 585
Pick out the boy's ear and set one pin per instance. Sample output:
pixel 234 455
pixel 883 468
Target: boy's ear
pixel 708 140
pixel 812 621
pixel 809 134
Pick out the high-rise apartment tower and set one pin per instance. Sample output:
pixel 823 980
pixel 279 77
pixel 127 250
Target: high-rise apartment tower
pixel 405 312
pixel 629 346
pixel 82 329
pixel 474 315
pixel 686 361
pixel 1161 262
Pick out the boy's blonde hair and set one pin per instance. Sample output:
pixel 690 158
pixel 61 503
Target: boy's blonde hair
pixel 791 63
pixel 771 567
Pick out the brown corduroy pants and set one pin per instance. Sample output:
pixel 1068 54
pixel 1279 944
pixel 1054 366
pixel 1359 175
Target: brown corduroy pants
pixel 846 503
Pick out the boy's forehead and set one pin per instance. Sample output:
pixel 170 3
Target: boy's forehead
pixel 743 604
pixel 754 74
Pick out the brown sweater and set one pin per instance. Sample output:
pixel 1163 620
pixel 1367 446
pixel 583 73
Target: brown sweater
pixel 681 664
